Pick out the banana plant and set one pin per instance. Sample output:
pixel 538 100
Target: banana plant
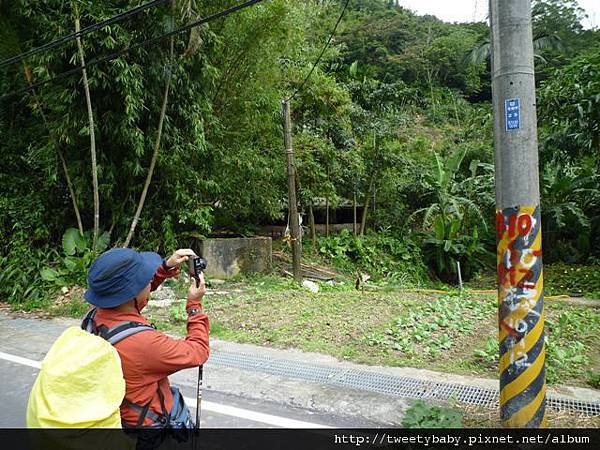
pixel 78 255
pixel 448 235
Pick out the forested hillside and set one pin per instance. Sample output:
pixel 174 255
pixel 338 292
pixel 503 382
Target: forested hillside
pixel 398 113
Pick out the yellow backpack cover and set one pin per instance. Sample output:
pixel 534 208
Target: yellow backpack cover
pixel 80 384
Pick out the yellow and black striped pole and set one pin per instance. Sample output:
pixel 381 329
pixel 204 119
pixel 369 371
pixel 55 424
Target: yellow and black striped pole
pixel 518 219
pixel 521 317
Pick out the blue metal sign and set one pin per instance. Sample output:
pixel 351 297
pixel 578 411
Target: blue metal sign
pixel 512 114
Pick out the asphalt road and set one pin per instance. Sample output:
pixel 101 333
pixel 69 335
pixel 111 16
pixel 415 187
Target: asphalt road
pixel 17 379
pixel 24 342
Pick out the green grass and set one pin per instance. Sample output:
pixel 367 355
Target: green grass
pixel 572 279
pixel 73 308
pixel 382 325
pixel 69 304
pixel 559 279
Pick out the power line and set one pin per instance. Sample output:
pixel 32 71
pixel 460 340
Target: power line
pixel 133 47
pixel 63 40
pixel 322 51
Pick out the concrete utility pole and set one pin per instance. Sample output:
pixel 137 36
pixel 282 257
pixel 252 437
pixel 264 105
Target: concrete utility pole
pixel 292 203
pixel 518 220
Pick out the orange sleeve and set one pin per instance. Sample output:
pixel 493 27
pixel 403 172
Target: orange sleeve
pixel 161 275
pixel 165 355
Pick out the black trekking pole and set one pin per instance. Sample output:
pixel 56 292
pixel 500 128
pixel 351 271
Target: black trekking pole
pixel 196 266
pixel 199 396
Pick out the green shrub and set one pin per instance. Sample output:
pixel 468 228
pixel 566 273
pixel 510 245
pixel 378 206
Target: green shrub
pixel 444 247
pixel 381 255
pixel 451 223
pixel 21 282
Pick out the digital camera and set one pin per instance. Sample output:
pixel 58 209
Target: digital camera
pixel 196 265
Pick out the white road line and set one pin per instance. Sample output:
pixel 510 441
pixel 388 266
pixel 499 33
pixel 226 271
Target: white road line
pixel 218 408
pixel 252 415
pixel 22 361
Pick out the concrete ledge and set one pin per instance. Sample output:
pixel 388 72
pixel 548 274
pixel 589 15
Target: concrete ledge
pixel 228 257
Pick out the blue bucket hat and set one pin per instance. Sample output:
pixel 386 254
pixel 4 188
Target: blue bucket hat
pixel 118 275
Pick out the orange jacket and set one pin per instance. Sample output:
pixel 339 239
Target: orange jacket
pixel 149 357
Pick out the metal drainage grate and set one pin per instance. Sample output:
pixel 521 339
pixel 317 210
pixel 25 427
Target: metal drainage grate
pixel 404 387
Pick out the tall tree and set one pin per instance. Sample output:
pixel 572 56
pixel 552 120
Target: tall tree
pixel 92 132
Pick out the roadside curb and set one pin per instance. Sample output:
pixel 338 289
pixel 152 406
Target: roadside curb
pixel 573 393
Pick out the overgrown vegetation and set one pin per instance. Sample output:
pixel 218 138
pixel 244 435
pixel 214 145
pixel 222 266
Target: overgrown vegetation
pixel 394 260
pixel 397 116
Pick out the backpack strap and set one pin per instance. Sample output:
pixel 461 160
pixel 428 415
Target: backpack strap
pixel 115 334
pixel 161 420
pixel 88 323
pixel 124 330
pixel 144 411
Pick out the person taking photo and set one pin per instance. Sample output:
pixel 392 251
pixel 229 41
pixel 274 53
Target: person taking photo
pixel 119 285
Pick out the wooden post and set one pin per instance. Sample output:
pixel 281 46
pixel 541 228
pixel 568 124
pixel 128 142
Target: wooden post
pixel 292 203
pixel 354 214
pixel 327 216
pixel 313 233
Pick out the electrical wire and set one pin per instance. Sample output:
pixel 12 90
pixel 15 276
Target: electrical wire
pixel 70 37
pixel 133 47
pixel 322 51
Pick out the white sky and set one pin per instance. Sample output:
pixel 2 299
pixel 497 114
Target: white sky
pixel 476 10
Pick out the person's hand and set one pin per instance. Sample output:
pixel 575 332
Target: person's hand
pixel 180 256
pixel 197 292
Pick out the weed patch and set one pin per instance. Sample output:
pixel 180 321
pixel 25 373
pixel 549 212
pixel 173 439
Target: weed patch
pixel 385 257
pixel 572 279
pixel 422 415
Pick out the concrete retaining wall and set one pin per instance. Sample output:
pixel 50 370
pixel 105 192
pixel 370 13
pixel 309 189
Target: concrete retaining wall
pixel 228 257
